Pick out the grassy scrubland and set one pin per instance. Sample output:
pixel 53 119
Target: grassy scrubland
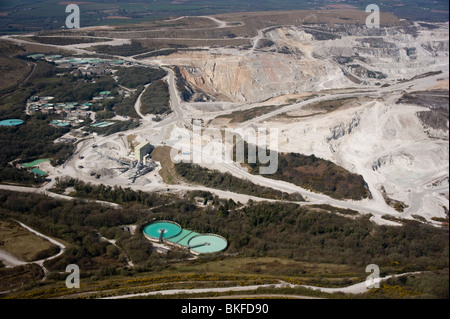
pixel 245 115
pixel 16 70
pixel 23 244
pixel 167 171
pixel 320 107
pixel 64 40
pixel 175 173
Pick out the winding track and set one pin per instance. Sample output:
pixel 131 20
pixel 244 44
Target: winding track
pixel 44 191
pixel 358 288
pixel 11 260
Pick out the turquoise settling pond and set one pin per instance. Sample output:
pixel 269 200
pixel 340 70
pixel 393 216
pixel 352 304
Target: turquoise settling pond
pixel 168 230
pixel 13 122
pixel 206 244
pixel 171 233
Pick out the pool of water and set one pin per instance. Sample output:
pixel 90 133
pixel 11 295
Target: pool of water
pixel 207 244
pixel 12 122
pixel 168 229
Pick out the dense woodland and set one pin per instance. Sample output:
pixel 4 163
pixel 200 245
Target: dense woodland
pixel 132 77
pixel 115 194
pixel 265 229
pixel 155 99
pixel 135 78
pixel 125 105
pixel 225 181
pixel 315 174
pixel 67 87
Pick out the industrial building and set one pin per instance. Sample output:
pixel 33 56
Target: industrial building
pixel 142 150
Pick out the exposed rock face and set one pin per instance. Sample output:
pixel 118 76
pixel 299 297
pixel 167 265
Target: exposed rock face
pixel 343 129
pixel 435 122
pixel 385 143
pixel 240 78
pixel 289 60
pixel 436 119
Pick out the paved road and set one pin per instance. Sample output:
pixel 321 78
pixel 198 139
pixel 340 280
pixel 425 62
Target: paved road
pixel 175 99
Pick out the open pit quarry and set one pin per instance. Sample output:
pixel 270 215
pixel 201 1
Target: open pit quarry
pixel 314 146
pixel 289 60
pixel 396 141
pixel 373 101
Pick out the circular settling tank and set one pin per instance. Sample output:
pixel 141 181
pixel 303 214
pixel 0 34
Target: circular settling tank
pixel 167 229
pixel 205 244
pixel 13 122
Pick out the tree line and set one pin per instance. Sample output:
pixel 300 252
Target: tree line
pixel 134 76
pixel 314 174
pixel 225 181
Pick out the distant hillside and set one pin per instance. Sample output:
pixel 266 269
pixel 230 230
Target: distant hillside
pixel 29 15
